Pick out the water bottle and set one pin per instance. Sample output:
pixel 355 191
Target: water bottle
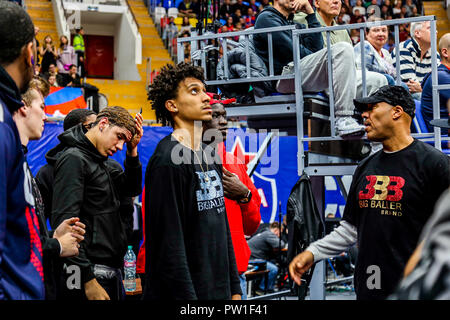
pixel 129 269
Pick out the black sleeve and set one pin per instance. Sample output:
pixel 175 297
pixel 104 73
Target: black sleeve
pixel 126 214
pixel 68 193
pixel 128 182
pixel 312 42
pixel 50 247
pixel 45 185
pixel 165 221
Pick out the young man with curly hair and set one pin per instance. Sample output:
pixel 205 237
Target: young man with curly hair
pixel 189 250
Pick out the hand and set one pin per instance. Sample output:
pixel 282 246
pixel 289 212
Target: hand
pixel 414 86
pixel 69 245
pixel 300 264
pixel 233 188
pixel 81 59
pixel 132 144
pixel 302 6
pixel 94 291
pixel 236 297
pixel 72 225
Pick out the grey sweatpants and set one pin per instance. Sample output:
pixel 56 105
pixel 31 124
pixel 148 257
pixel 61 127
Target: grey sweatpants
pixel 314 73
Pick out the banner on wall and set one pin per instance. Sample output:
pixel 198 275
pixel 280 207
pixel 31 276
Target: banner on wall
pixel 274 176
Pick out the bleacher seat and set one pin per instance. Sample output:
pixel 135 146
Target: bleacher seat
pixel 160 12
pixel 172 12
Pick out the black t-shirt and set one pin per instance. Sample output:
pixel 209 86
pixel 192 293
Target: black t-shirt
pixel 189 252
pixel 391 197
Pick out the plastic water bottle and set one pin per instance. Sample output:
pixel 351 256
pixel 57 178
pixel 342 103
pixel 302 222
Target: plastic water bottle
pixel 129 269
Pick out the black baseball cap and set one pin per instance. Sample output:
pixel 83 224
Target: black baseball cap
pixel 393 95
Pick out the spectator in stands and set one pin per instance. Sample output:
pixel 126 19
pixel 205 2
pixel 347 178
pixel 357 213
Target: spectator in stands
pixel 230 24
pixel 390 44
pixel 189 249
pixel 239 5
pixel 250 18
pixel 36 47
pixel 345 16
pixel 326 12
pixel 86 185
pixel 225 10
pixel 377 59
pixel 443 78
pixel 415 57
pixel 66 56
pixel 354 36
pixel 48 53
pixel 313 63
pixel 21 277
pixel 185 9
pixel 237 15
pixel 403 33
pixel 409 7
pixel 359 7
pixel 37 69
pixel 397 9
pixel 171 30
pixel 52 81
pixel 78 46
pixel 263 246
pixel 357 17
pixel 64 240
pixel 253 6
pixel 242 200
pixel 185 25
pixel 385 12
pixel 72 79
pixel 418 171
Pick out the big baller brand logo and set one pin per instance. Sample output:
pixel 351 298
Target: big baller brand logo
pixel 383 192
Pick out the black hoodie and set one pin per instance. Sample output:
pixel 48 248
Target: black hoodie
pixel 87 186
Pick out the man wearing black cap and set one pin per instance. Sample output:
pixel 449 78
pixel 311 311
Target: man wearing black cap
pixel 392 195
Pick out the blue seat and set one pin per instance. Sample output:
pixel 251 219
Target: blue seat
pixel 420 126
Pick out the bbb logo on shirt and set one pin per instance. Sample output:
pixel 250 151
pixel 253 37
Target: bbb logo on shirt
pixel 210 195
pixel 383 192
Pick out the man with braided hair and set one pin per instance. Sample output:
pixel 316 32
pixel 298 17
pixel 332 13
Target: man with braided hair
pixel 88 186
pixel 189 250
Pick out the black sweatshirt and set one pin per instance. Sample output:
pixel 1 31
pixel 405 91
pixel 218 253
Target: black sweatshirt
pixel 87 186
pixel 282 41
pixel 189 250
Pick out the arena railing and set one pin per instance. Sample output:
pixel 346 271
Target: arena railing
pixel 199 46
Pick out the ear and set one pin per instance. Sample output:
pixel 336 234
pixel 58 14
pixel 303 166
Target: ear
pixel 103 123
pixel 397 112
pixel 23 111
pixel 170 105
pixel 29 52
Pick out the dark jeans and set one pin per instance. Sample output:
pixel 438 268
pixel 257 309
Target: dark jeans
pixel 81 67
pixel 109 278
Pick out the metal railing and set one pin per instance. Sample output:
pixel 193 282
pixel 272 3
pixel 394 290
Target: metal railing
pixel 201 42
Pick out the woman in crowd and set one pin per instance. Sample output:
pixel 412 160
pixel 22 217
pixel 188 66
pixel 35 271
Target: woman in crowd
pixel 66 56
pixel 377 59
pixel 48 54
pixel 185 25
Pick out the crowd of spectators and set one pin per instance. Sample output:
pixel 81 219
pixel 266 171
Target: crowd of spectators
pixel 238 15
pixel 57 64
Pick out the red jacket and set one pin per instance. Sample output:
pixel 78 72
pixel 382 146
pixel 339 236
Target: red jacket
pixel 244 219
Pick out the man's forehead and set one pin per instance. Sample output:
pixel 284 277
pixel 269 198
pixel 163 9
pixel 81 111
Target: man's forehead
pixel 190 82
pixel 123 131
